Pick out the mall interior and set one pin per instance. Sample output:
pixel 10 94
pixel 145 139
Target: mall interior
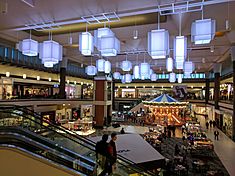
pixel 159 74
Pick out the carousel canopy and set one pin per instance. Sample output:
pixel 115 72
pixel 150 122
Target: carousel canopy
pixel 164 99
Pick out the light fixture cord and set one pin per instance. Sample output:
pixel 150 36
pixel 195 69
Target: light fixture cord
pixel 202 10
pixel 180 18
pixel 30 34
pixel 158 21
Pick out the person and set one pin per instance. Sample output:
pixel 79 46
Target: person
pixel 122 131
pixel 177 150
pixel 207 125
pixel 216 133
pixel 210 123
pixel 101 149
pixel 183 128
pixel 112 153
pixel 214 123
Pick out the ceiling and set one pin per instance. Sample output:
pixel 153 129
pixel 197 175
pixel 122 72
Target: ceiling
pixel 134 15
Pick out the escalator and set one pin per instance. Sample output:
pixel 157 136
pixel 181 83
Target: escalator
pixel 24 129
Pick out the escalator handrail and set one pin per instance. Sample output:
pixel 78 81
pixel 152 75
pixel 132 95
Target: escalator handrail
pixel 85 140
pixel 55 132
pixel 39 156
pixel 25 139
pixel 45 140
pixel 88 140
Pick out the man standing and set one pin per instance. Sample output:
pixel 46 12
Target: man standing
pixel 112 152
pixel 102 154
pixel 207 125
pixel 216 133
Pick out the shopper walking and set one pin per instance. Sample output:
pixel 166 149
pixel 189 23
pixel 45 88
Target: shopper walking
pixel 214 123
pixel 112 153
pixel 216 134
pixel 210 123
pixel 207 125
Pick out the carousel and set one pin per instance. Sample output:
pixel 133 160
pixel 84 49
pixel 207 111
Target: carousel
pixel 165 110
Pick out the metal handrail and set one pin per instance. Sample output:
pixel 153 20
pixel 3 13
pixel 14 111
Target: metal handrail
pixel 83 139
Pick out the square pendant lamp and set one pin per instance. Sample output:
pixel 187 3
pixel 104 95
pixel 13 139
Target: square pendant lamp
pixel 136 72
pixel 158 43
pixel 172 77
pixel 180 50
pixel 50 53
pixel 153 77
pixel 144 71
pixel 189 67
pixel 169 64
pixel 106 42
pixel 123 80
pixel 91 70
pixel 86 45
pixel 126 65
pixel 128 78
pixel 100 64
pixel 107 67
pixel 109 46
pixel 203 31
pixel 29 47
pixel 180 78
pixel 116 75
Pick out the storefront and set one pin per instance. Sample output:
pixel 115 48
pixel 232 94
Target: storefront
pixel 227 124
pixel 6 88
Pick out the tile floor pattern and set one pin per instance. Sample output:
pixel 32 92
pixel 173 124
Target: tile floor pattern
pixel 224 148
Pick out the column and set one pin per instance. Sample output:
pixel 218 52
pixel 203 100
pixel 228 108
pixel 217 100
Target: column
pixel 233 118
pixel 207 89
pixel 102 103
pixel 113 96
pixel 63 67
pixel 217 71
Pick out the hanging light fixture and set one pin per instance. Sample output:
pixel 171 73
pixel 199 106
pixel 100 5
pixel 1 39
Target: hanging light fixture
pixel 109 46
pixel 136 72
pixel 188 67
pixel 29 47
pixel 180 78
pixel 158 42
pixel 172 77
pixel 123 80
pixel 106 42
pixel 107 67
pixel 126 65
pixel 180 48
pixel 86 45
pixel 180 51
pixel 91 70
pixel 128 78
pixel 153 77
pixel 50 52
pixel 100 64
pixel 116 75
pixel 144 71
pixel 169 64
pixel 202 31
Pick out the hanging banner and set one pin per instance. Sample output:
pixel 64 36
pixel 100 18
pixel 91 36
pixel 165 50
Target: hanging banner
pixel 180 91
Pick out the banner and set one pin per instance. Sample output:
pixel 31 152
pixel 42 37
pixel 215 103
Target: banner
pixel 180 91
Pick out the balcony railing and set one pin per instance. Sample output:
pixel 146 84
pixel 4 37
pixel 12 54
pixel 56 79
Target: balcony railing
pixel 14 57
